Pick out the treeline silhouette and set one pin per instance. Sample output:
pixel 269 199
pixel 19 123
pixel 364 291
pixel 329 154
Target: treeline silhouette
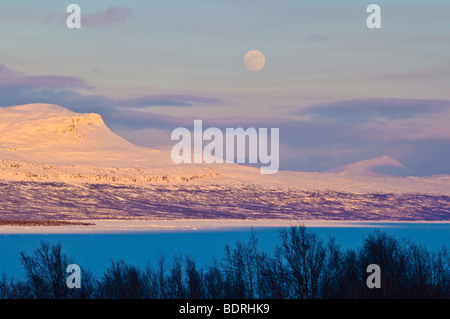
pixel 301 266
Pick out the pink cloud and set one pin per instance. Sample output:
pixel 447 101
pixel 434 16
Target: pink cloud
pixel 107 18
pixel 14 78
pixel 314 37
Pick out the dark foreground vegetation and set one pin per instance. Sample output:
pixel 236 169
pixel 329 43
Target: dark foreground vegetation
pixel 302 266
pixel 40 222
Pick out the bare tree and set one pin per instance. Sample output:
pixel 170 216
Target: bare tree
pixel 175 287
pixel 333 271
pixel 152 279
pixel 46 272
pixel 275 277
pixel 418 271
pixel 6 287
pixel 388 253
pixel 123 281
pixel 214 282
pixel 194 279
pixel 161 275
pixel 305 255
pixel 233 266
pixel 352 284
pixel 440 273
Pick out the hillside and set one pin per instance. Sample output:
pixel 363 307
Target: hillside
pixel 55 163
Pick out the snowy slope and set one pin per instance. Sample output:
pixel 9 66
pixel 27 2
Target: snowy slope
pixel 48 143
pixel 43 133
pixel 369 167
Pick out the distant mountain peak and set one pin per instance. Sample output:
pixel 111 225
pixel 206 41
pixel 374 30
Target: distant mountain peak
pixel 376 167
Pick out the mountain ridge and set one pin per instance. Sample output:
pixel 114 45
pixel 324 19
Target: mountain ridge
pixel 48 143
pixel 368 167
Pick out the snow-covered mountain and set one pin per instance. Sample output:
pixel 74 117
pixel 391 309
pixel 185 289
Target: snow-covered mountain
pixel 54 162
pixel 43 142
pixel 376 167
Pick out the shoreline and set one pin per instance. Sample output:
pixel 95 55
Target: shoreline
pixel 104 226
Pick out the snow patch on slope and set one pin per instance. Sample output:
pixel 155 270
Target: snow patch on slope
pixel 370 167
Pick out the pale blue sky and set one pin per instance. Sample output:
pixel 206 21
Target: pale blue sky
pixel 189 53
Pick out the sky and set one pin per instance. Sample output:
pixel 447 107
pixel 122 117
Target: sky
pixel 338 91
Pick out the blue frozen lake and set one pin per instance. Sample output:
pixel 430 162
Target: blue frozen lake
pixel 95 251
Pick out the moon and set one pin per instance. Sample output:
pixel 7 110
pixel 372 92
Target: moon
pixel 254 60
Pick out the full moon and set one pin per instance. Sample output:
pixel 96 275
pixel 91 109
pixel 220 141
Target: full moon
pixel 254 60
